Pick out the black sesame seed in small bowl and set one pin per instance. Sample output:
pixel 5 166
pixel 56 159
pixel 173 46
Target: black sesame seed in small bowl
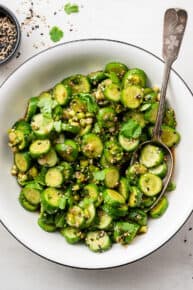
pixel 10 34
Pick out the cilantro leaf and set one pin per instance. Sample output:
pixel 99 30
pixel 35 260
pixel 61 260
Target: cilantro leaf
pixel 45 105
pixel 56 34
pixel 40 178
pixel 71 8
pixel 99 175
pixel 131 129
pixel 90 102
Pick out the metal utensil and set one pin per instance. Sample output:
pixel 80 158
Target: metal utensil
pixel 173 32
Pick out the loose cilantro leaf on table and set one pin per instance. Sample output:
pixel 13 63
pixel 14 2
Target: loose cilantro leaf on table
pixel 71 8
pixel 56 34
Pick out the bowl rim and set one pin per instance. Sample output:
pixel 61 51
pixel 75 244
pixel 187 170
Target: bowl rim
pixel 92 40
pixel 14 19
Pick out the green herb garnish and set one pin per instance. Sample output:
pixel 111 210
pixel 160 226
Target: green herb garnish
pixel 131 129
pixel 71 8
pixel 56 34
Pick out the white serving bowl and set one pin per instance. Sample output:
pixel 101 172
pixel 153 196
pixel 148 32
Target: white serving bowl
pixel 41 72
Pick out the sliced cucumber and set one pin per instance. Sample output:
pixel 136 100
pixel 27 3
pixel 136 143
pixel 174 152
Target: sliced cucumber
pixel 42 125
pixel 98 241
pixel 160 208
pixel 67 170
pixel 17 139
pixel 50 198
pixel 138 117
pixel 22 161
pixel 116 67
pixel 39 147
pixel 46 227
pixel 151 114
pixel 54 177
pixel 67 150
pixel 111 177
pixel 60 219
pixel 113 92
pixel 22 126
pixel 124 187
pixel 113 198
pixel 125 232
pixel 92 191
pixel 96 77
pixel 71 128
pixel 62 94
pixel 147 201
pixel 32 108
pixel 150 184
pixel 151 156
pixel 31 194
pixel 169 136
pixel 48 160
pixel 106 117
pixel 89 211
pixel 160 170
pixel 78 84
pixel 116 211
pixel 138 216
pixel 128 144
pixel 132 97
pixel 75 217
pixel 136 77
pixel 72 235
pixel 105 220
pixel 26 204
pixel 92 146
pixel 113 152
pixel 135 197
pixel 142 230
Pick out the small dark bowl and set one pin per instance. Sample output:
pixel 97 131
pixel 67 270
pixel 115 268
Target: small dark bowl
pixel 4 11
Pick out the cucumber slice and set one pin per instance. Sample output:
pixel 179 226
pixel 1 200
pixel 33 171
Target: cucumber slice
pixel 31 194
pixel 67 150
pixel 128 144
pixel 150 184
pixel 70 128
pixel 105 220
pixel 113 198
pixel 39 148
pixel 116 67
pixel 31 109
pixel 138 216
pixel 147 201
pixel 60 219
pixel 92 191
pixel 111 177
pixel 169 136
pixel 42 125
pixel 142 230
pixel 104 163
pixel 45 95
pixel 57 113
pixel 116 211
pixel 54 177
pixel 125 232
pixel 113 152
pixel 135 197
pixel 67 170
pixel 113 92
pixel 136 77
pixel 151 114
pixel 170 118
pixel 78 84
pixel 138 117
pixel 48 160
pixel 160 208
pixel 98 241
pixel 26 204
pixel 92 146
pixel 22 161
pixel 62 94
pixel 124 187
pixel 75 217
pixel 17 139
pixel 72 235
pixel 151 156
pixel 46 227
pixel 160 170
pixel 106 117
pixel 132 97
pixel 50 198
pixel 96 77
pixel 89 211
pixel 22 126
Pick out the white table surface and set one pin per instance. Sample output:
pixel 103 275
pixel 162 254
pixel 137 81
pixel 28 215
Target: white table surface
pixel 140 23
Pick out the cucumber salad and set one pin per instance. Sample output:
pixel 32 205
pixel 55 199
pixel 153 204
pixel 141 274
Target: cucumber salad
pixel 72 153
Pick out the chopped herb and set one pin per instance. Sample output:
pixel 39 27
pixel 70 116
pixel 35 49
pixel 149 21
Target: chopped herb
pixel 99 175
pixel 71 8
pixel 131 129
pixel 56 34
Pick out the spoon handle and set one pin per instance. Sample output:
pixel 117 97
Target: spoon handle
pixel 173 32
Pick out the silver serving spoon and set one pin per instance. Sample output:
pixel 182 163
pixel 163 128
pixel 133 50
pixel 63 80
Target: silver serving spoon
pixel 173 32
